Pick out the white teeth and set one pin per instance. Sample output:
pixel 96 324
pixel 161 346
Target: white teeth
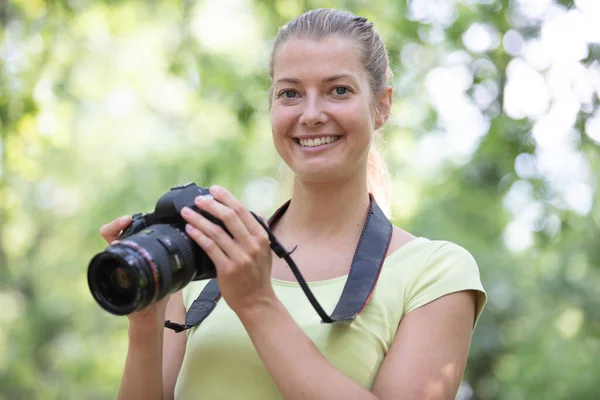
pixel 317 141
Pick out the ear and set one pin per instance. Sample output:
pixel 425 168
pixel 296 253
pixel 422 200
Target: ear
pixel 384 107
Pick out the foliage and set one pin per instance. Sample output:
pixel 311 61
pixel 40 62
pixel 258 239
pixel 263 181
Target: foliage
pixel 106 104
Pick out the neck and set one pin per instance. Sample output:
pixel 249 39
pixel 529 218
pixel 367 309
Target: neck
pixel 320 210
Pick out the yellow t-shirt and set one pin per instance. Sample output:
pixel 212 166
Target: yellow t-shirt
pixel 221 363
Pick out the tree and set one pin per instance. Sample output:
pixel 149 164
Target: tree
pixel 494 145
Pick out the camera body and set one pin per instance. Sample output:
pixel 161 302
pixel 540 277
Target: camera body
pixel 168 209
pixel 154 256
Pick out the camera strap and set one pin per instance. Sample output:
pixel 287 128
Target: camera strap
pixel 366 266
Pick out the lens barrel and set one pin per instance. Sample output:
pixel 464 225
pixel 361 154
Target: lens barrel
pixel 142 269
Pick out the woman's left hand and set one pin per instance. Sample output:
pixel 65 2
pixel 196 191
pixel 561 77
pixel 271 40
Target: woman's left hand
pixel 243 263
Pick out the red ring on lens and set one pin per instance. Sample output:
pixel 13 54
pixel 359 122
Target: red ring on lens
pixel 148 259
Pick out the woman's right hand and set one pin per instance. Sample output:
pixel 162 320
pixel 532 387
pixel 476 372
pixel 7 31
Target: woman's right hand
pixel 151 317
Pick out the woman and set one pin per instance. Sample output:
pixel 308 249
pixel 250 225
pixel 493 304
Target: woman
pixel 263 340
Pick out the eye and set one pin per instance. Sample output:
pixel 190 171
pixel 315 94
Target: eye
pixel 288 94
pixel 340 90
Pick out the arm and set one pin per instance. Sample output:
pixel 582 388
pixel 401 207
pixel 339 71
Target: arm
pixel 174 345
pixel 142 374
pixel 426 361
pixel 155 354
pixel 429 353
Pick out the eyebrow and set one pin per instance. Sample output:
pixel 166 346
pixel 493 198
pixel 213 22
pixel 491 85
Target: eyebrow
pixel 331 78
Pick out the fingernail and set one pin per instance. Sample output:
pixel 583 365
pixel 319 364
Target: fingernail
pixel 214 189
pixel 124 219
pixel 186 211
pixel 202 199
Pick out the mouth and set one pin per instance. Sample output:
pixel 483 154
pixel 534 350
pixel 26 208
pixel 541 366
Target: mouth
pixel 316 142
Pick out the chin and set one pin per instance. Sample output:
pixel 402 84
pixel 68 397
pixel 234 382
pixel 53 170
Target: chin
pixel 319 174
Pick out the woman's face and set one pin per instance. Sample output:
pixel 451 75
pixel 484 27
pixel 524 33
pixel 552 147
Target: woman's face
pixel 322 113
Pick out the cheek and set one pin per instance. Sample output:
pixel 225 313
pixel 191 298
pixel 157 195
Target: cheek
pixel 281 126
pixel 281 121
pixel 356 120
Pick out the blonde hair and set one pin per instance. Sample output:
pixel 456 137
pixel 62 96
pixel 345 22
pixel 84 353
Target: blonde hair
pixel 322 23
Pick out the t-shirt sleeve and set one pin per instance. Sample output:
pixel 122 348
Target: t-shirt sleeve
pixel 449 269
pixel 191 292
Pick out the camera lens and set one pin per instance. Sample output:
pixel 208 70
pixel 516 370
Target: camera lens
pixel 115 283
pixel 142 269
pixel 121 279
pixel 117 280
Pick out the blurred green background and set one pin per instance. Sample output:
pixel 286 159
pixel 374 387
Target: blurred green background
pixel 493 144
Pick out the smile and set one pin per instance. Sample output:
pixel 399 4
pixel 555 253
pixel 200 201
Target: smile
pixel 317 141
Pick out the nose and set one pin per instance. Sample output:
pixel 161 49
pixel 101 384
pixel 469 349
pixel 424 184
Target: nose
pixel 313 113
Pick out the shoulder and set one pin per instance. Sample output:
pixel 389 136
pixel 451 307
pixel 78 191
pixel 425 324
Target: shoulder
pixel 428 269
pixel 434 253
pixel 444 267
pixel 400 237
pixel 447 255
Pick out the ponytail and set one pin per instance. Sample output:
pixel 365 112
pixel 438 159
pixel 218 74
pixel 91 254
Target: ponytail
pixel 378 176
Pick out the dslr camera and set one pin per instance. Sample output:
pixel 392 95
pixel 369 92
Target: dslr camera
pixel 154 256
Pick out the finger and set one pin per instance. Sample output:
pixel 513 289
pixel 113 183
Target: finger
pixel 226 215
pixel 212 231
pixel 110 232
pixel 225 197
pixel 212 249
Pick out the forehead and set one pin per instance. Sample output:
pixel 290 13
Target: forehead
pixel 308 57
